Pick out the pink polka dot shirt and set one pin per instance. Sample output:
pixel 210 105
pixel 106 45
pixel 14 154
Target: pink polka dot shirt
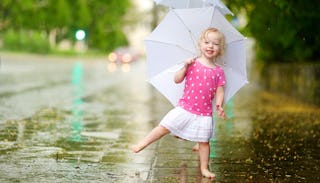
pixel 201 83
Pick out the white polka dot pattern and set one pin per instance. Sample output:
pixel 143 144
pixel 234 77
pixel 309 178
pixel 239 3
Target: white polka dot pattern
pixel 200 88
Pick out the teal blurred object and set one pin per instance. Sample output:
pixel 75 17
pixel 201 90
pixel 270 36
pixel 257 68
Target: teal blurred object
pixel 77 112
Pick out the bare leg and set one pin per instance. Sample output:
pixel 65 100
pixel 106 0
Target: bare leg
pixel 204 151
pixel 154 135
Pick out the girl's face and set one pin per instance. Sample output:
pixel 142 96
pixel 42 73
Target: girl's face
pixel 210 46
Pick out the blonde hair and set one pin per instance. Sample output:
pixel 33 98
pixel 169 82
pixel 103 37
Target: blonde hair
pixel 221 35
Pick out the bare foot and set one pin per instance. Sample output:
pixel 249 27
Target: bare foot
pixel 208 174
pixel 195 147
pixel 135 148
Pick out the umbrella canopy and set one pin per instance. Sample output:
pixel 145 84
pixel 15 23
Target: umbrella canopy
pixel 195 4
pixel 176 38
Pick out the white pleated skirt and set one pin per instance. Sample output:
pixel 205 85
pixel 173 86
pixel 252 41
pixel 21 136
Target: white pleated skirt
pixel 189 126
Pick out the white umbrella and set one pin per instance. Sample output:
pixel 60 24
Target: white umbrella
pixel 176 38
pixel 195 4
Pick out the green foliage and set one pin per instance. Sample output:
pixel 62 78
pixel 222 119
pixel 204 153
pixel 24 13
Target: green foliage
pixel 102 20
pixel 105 30
pixel 58 14
pixel 29 41
pixel 284 30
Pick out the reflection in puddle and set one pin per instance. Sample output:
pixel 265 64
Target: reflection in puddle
pixel 223 128
pixel 125 67
pixel 77 112
pixel 112 67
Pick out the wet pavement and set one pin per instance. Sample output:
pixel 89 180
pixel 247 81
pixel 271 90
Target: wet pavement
pixel 72 120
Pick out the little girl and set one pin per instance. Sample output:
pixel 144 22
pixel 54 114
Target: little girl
pixel 192 118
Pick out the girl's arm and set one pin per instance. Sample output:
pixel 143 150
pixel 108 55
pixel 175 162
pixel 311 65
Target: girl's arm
pixel 180 74
pixel 219 102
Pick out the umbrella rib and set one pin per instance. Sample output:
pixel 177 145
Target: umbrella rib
pixel 190 51
pixel 214 9
pixel 244 38
pixel 191 35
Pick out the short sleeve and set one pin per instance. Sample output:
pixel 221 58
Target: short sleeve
pixel 221 78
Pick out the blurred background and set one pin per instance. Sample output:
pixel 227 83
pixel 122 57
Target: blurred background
pixel 283 31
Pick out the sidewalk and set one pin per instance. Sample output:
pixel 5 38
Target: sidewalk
pixel 260 143
pixel 176 162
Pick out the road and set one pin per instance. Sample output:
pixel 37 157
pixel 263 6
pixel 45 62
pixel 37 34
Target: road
pixel 30 83
pixel 56 112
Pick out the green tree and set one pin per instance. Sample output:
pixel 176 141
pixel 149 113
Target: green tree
pixel 59 19
pixel 284 30
pixel 12 11
pixel 105 29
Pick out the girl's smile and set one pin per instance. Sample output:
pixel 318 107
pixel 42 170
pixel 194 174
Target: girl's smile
pixel 210 46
